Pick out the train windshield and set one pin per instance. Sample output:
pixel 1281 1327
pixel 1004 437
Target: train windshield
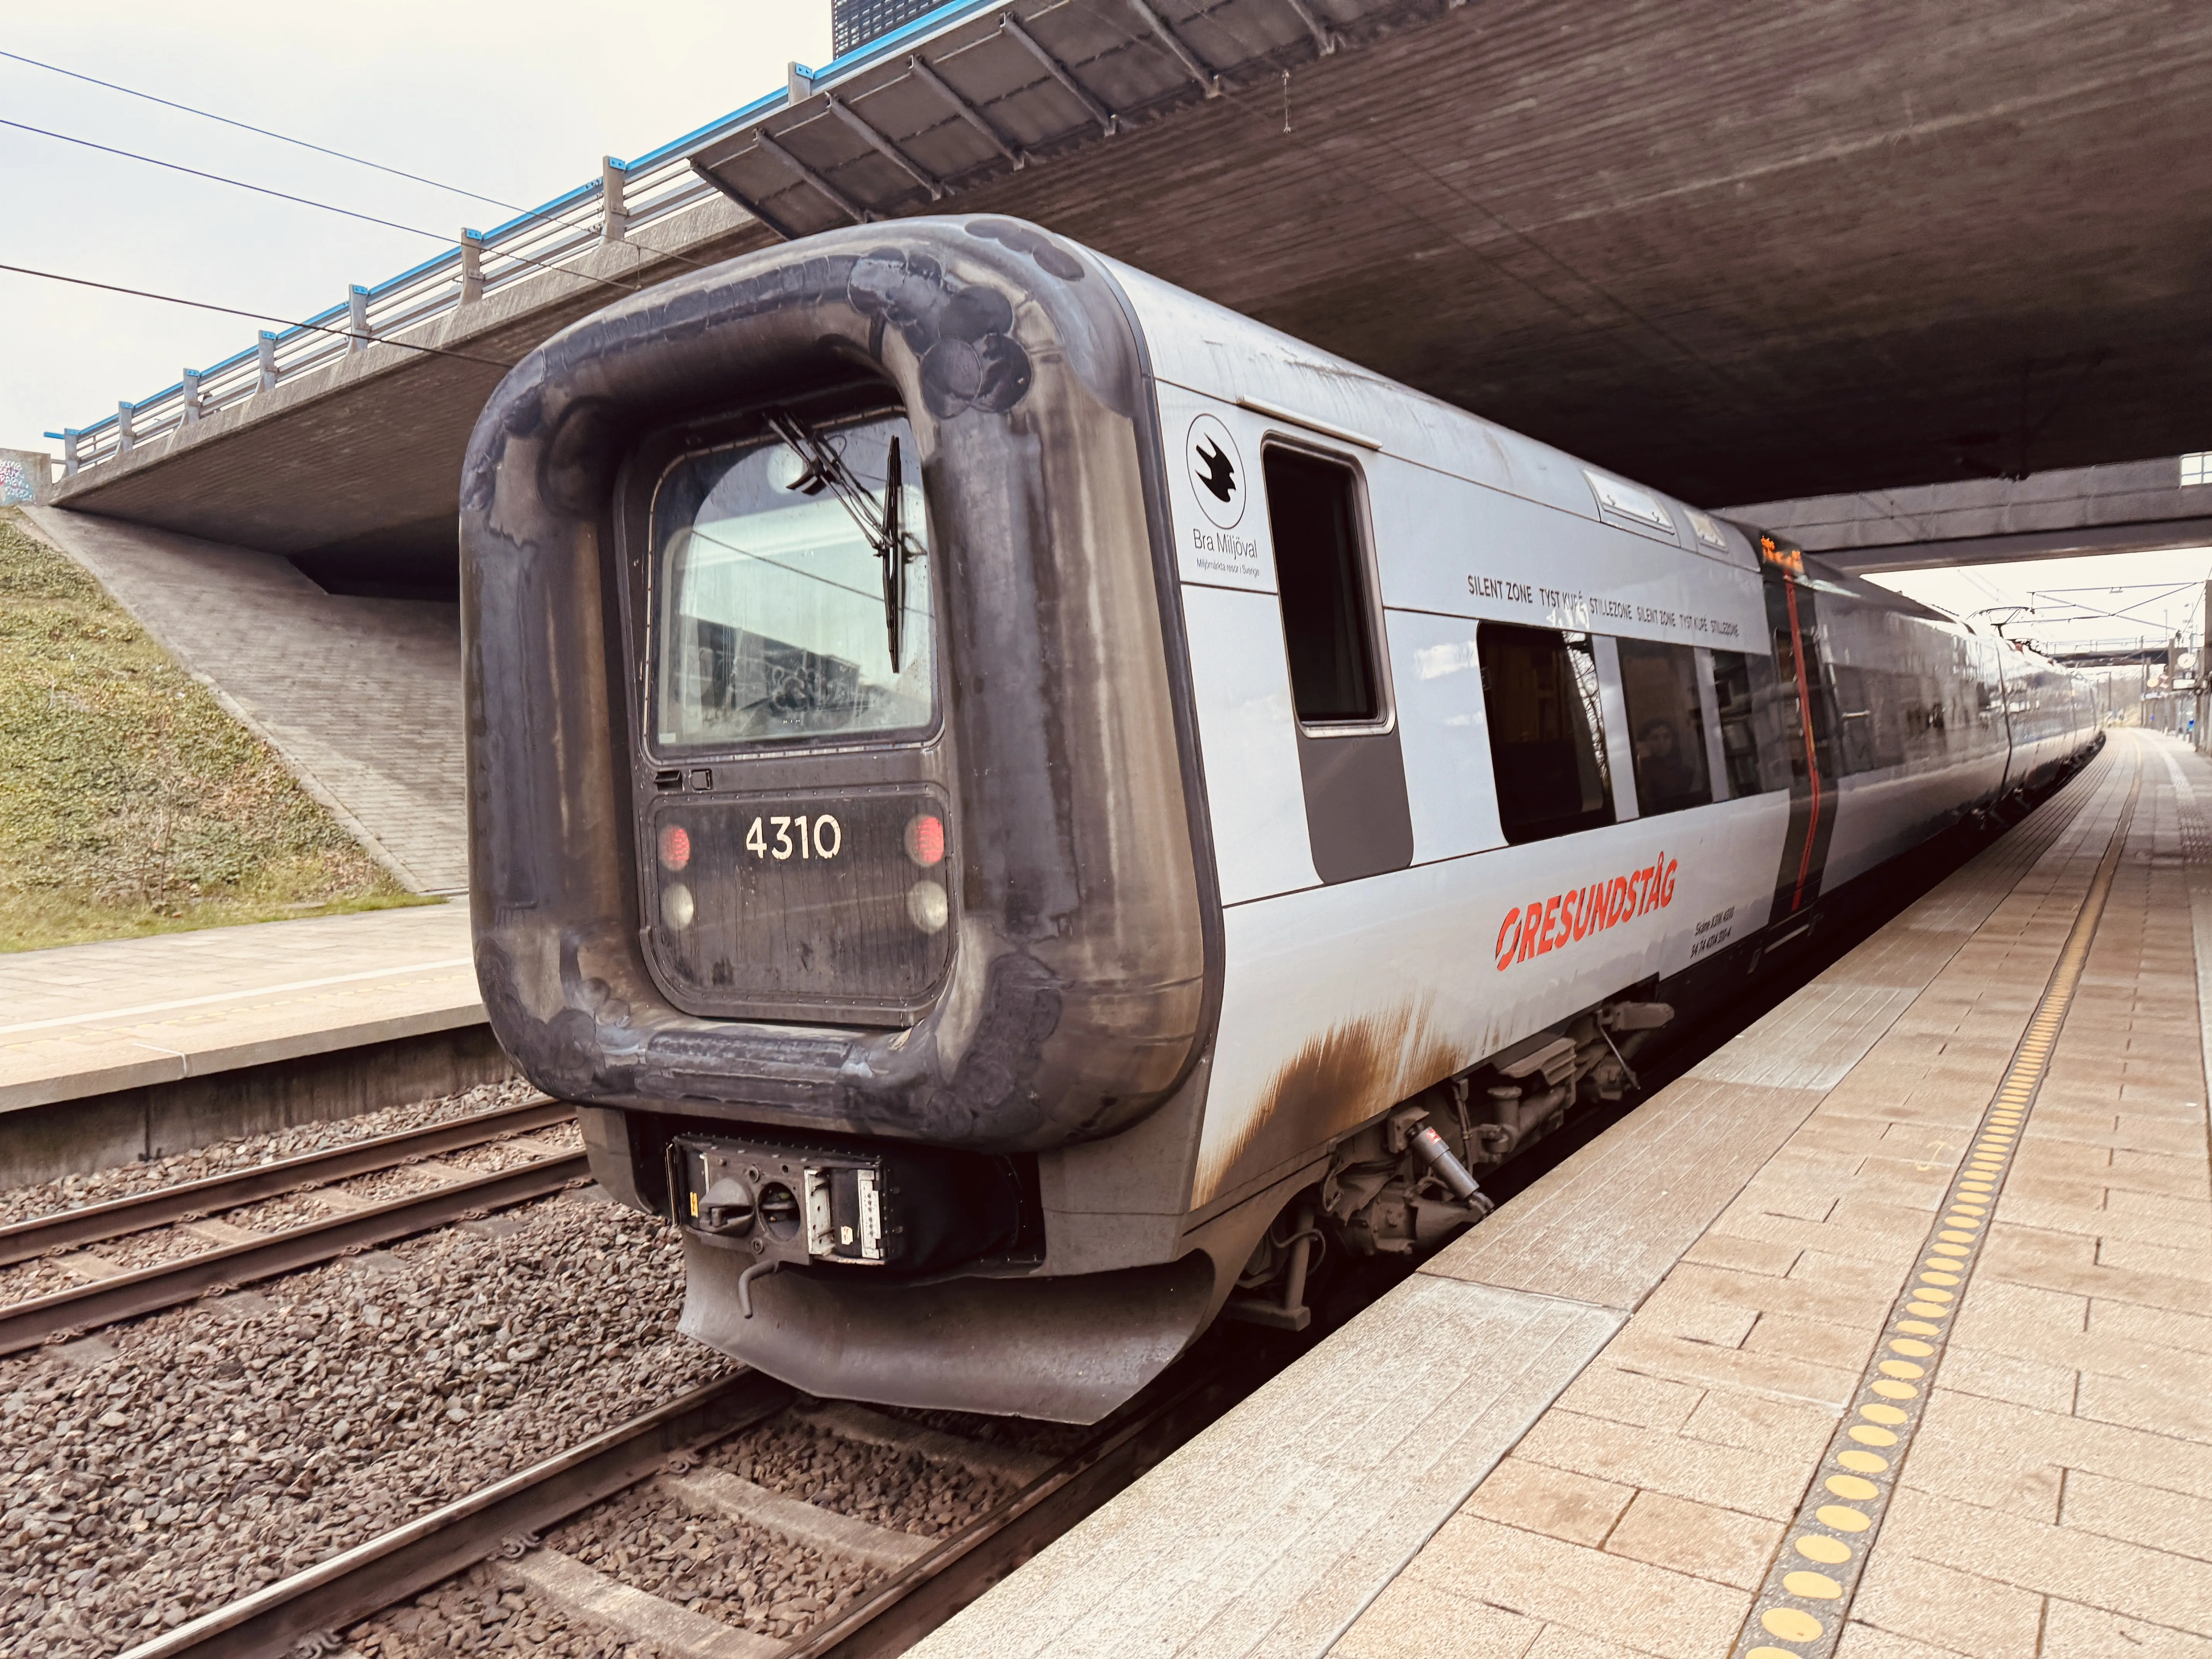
pixel 794 584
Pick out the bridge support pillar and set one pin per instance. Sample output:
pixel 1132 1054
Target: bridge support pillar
pixel 471 267
pixel 614 219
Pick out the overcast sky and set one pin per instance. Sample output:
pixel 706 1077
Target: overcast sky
pixel 517 102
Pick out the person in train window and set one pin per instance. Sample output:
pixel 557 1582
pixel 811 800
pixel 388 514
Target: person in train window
pixel 1663 774
pixel 1659 683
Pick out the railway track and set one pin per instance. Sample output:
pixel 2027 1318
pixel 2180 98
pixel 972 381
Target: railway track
pixel 237 1255
pixel 916 1584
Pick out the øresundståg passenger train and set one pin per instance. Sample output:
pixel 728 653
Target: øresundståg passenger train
pixel 1019 803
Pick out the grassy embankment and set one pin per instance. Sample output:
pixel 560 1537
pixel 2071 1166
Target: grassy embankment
pixel 129 802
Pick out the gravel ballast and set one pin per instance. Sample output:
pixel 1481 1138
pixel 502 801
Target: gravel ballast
pixel 219 1449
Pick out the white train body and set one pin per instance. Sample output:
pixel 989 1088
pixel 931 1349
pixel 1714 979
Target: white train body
pixel 1468 523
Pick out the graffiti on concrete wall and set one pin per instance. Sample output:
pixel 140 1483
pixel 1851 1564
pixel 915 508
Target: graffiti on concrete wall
pixel 14 483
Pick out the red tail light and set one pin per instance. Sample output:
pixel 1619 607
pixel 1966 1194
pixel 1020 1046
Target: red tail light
pixel 675 847
pixel 925 840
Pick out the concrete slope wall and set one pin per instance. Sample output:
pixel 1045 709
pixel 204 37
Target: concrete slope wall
pixel 361 698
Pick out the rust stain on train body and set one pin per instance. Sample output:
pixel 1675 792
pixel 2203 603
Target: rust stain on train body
pixel 1338 1079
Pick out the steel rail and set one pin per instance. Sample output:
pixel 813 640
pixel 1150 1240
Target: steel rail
pixel 192 1198
pixel 354 1583
pixel 127 1295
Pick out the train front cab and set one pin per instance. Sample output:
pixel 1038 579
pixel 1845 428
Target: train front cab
pixel 835 813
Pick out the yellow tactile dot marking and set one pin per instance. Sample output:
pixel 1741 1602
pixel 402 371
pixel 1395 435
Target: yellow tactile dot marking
pixel 1837 1535
pixel 1790 1625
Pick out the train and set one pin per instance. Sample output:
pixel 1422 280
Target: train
pixel 1026 810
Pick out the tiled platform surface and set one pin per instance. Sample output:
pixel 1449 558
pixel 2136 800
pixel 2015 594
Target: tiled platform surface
pixel 1585 1428
pixel 91 1019
pixel 361 698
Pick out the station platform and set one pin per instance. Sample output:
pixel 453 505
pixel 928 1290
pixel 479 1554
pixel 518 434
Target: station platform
pixel 1886 1330
pixel 133 1048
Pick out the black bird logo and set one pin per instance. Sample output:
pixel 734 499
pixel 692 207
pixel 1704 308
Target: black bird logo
pixel 1220 479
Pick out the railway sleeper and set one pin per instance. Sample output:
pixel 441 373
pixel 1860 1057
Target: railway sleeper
pixel 621 1610
pixel 717 1491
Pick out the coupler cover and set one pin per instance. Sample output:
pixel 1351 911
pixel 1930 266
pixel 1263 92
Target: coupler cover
pixel 907 1209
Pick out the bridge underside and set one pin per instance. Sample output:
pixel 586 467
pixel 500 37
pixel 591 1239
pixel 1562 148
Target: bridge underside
pixel 1739 251
pixel 2137 507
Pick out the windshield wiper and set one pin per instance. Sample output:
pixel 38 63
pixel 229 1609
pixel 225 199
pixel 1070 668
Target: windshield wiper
pixel 883 525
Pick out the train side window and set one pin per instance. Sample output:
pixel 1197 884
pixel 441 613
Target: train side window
pixel 1320 574
pixel 1745 736
pixel 1546 732
pixel 1857 717
pixel 1660 684
pixel 1925 736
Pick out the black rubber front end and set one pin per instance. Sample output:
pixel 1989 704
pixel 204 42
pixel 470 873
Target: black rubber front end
pixel 1066 1350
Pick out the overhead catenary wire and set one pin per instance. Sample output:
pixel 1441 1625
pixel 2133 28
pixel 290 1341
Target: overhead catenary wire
pixel 264 132
pixel 309 200
pixel 258 316
pixel 537 213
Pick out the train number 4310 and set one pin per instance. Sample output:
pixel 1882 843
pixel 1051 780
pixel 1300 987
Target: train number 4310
pixel 824 838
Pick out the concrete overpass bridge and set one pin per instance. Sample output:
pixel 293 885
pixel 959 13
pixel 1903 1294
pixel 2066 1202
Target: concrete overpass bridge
pixel 1743 253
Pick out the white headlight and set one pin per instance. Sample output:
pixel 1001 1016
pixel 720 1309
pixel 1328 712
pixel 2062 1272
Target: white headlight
pixel 927 906
pixel 676 908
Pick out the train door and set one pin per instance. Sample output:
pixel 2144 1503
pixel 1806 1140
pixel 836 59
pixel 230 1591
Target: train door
pixel 1358 817
pixel 1808 726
